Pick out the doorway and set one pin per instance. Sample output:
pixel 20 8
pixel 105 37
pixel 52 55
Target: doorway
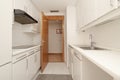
pixel 55 41
pixel 52 34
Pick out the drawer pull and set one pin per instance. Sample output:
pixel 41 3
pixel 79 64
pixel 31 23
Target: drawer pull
pixel 77 57
pixel 32 52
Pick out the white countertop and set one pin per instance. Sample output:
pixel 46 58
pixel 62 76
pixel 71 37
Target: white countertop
pixel 107 60
pixel 18 51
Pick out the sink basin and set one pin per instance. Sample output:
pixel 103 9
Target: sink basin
pixel 89 48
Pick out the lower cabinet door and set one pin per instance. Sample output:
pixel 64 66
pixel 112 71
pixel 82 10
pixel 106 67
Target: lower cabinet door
pixel 5 72
pixel 77 68
pixel 31 67
pixel 38 61
pixel 20 70
pixel 92 72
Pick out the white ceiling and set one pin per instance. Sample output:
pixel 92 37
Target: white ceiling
pixel 47 5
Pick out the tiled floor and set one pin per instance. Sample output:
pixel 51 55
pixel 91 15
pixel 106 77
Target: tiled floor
pixel 56 68
pixel 54 77
pixel 55 71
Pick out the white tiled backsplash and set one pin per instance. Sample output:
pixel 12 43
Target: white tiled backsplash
pixel 21 38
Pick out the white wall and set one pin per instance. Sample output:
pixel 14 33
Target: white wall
pixel 19 37
pixel 54 40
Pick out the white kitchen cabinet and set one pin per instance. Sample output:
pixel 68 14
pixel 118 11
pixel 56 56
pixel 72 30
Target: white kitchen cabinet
pixel 90 71
pixel 19 4
pixel 70 60
pixel 104 6
pixel 34 12
pixel 20 69
pixel 6 17
pixel 27 6
pixel 37 60
pixel 77 66
pixel 24 5
pixel 5 72
pixel 31 66
pixel 89 11
pixel 85 12
pixel 80 13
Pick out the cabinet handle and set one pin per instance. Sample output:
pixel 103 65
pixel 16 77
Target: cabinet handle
pixel 32 52
pixel 27 64
pixel 21 57
pixel 77 57
pixel 35 60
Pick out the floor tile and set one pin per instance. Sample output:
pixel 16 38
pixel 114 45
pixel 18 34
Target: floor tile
pixel 56 68
pixel 54 77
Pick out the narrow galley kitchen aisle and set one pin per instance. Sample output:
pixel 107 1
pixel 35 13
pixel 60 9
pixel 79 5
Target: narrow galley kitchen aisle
pixel 52 36
pixel 55 71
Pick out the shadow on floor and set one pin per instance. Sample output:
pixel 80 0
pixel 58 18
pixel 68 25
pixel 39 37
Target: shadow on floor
pixel 54 77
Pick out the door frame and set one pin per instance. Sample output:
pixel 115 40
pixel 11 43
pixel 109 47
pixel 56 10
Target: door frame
pixel 62 19
pixel 44 61
pixel 44 51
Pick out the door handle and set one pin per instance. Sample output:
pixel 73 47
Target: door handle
pixel 43 42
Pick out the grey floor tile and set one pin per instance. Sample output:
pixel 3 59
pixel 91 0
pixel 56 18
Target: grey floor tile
pixel 54 77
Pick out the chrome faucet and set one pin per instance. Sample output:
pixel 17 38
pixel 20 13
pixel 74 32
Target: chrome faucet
pixel 91 41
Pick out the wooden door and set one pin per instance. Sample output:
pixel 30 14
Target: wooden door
pixel 44 42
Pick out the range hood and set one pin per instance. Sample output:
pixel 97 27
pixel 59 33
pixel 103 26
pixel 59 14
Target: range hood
pixel 23 18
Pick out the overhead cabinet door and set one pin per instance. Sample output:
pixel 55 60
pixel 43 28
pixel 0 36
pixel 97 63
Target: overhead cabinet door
pixel 19 4
pixel 104 6
pixel 85 12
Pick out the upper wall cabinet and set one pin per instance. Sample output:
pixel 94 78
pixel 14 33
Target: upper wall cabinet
pixel 89 12
pixel 80 13
pixel 19 4
pixel 27 6
pixel 85 12
pixel 104 6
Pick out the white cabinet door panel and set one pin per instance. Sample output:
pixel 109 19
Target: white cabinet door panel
pixel 104 6
pixel 5 72
pixel 31 66
pixel 38 60
pixel 77 68
pixel 20 70
pixel 90 11
pixel 5 31
pixel 19 4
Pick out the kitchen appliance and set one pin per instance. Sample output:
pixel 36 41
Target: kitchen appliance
pixel 23 18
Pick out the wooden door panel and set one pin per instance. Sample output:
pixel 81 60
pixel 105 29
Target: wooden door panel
pixel 44 42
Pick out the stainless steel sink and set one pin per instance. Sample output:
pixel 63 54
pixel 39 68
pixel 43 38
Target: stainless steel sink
pixel 89 48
